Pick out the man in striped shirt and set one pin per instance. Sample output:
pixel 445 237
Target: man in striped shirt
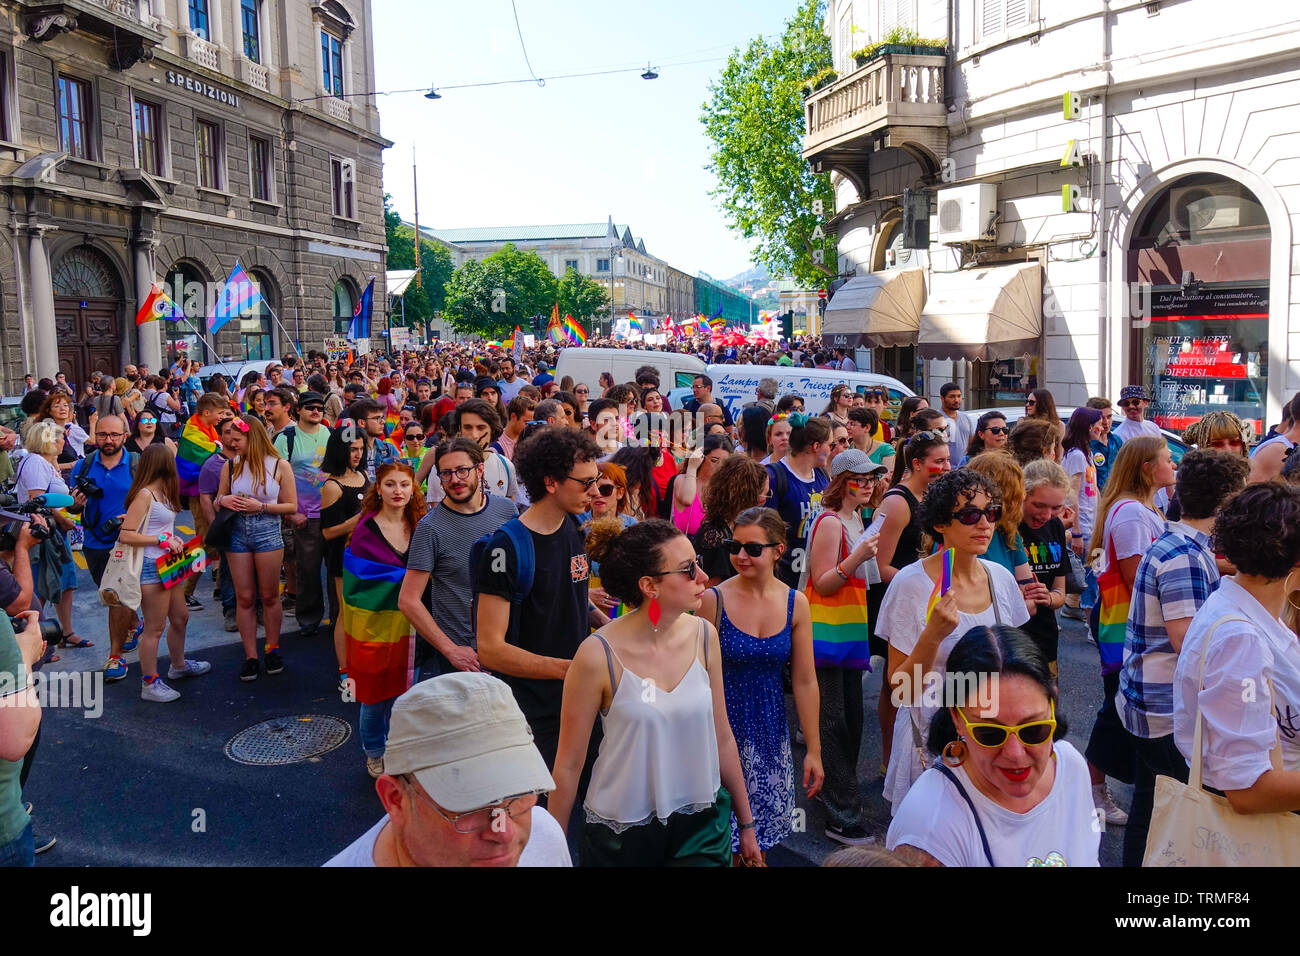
pixel 1175 577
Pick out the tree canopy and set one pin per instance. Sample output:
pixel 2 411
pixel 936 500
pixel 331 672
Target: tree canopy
pixel 420 300
pixel 755 119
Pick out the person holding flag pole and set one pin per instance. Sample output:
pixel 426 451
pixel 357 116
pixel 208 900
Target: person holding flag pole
pixel 932 603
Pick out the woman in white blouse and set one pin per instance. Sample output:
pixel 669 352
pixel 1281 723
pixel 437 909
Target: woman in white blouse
pixel 962 508
pixel 1240 665
pixel 1009 791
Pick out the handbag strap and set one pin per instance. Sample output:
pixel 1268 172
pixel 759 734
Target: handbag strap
pixel 997 615
pixel 1195 773
pixel 979 824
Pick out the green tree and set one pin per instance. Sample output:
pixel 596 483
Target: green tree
pixel 428 296
pixel 581 297
pixel 755 118
pixel 506 289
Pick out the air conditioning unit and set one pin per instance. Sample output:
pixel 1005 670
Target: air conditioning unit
pixel 966 213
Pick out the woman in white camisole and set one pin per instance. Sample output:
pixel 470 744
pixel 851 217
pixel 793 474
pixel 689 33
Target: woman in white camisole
pixel 654 676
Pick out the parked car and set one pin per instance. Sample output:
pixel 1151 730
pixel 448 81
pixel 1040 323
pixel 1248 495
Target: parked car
pixel 1014 413
pixel 234 371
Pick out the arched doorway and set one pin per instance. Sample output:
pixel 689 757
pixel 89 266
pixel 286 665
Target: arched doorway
pixel 87 314
pixel 345 303
pixel 188 286
pixel 256 332
pixel 1198 265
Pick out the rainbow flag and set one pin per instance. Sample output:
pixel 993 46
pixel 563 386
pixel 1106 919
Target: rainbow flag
pixel 174 570
pixel 554 330
pixel 634 324
pixel 197 445
pixel 391 421
pixel 717 323
pixel 577 334
pixel 158 305
pixel 380 640
pixel 943 585
pixel 238 297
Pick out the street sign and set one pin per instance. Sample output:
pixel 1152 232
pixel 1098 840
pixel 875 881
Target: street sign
pixel 821 293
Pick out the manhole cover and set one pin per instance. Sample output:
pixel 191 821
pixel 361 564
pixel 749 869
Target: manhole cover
pixel 287 740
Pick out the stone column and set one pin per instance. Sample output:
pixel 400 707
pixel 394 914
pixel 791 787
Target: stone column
pixel 149 335
pixel 42 290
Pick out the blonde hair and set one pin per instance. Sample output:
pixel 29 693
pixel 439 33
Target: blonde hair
pixel 1004 471
pixel 259 450
pixel 1129 477
pixel 1045 472
pixel 43 437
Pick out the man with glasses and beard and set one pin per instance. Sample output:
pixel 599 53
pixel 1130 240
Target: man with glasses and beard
pixel 440 552
pixel 110 468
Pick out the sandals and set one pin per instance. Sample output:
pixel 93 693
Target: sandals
pixel 78 643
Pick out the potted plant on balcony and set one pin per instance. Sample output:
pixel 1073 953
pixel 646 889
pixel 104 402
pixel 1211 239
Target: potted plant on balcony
pixel 899 40
pixel 818 80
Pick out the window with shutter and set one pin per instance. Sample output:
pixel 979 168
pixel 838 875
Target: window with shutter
pixel 991 13
pixel 900 14
pixel 844 46
pixel 996 17
pixel 1017 14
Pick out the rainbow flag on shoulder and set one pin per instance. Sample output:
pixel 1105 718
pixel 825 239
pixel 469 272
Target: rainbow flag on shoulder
pixel 197 444
pixel 380 639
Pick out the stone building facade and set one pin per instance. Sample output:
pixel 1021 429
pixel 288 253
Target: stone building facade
pixel 1141 170
pixel 163 141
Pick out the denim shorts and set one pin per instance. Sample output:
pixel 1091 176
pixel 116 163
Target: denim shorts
pixel 149 572
pixel 255 534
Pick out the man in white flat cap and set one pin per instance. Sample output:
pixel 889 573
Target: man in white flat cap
pixel 460 783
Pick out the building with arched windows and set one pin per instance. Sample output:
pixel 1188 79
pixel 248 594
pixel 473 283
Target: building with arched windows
pixel 1079 197
pixel 163 141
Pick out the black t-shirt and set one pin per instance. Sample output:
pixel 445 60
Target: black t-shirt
pixel 713 556
pixel 1046 548
pixel 552 620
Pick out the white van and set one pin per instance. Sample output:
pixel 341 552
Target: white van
pixel 737 385
pixel 585 365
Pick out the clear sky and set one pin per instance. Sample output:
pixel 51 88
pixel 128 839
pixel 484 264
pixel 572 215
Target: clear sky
pixel 576 150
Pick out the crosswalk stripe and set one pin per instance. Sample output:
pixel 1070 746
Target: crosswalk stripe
pixel 80 560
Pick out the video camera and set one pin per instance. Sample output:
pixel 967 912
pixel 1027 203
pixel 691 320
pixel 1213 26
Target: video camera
pixel 18 512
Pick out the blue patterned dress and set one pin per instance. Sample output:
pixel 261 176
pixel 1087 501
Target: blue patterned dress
pixel 751 677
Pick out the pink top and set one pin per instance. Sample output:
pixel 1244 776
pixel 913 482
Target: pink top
pixel 689 520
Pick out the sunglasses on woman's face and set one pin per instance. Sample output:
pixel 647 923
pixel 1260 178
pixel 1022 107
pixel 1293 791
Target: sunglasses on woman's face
pixel 148 421
pixel 997 429
pixel 606 490
pixel 1032 734
pixel 414 436
pixel 752 548
pixel 970 515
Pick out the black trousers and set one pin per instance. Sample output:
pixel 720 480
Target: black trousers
pixel 309 547
pixel 841 737
pixel 1157 756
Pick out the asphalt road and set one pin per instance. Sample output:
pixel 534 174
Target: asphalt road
pixel 151 784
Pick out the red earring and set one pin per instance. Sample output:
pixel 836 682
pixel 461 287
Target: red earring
pixel 654 612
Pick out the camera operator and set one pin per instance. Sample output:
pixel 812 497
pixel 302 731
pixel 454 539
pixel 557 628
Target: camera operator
pixel 20 714
pixel 108 470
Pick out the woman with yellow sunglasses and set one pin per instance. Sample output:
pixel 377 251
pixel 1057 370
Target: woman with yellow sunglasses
pixel 1007 790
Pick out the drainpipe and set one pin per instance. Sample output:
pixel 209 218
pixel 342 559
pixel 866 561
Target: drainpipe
pixel 1103 228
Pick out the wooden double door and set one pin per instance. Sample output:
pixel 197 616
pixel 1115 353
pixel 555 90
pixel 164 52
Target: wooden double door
pixel 90 337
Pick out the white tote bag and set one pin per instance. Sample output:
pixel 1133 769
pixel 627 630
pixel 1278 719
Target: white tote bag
pixel 120 585
pixel 1192 827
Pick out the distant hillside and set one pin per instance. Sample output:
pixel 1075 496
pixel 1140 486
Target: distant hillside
pixel 756 275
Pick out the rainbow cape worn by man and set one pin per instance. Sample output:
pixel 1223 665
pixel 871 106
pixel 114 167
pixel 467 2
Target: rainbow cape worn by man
pixel 380 639
pixel 197 444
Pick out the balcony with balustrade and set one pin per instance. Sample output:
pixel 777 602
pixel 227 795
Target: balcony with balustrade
pixel 893 100
pixel 131 32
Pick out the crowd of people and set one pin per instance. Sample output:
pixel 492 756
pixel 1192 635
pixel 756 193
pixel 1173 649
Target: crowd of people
pixel 576 625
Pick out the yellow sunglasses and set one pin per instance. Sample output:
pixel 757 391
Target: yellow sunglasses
pixel 1032 734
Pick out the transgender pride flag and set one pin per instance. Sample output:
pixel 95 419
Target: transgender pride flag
pixel 239 296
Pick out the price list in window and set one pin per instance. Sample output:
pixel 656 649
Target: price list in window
pixel 1206 350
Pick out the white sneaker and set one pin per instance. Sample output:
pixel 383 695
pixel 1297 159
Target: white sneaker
pixel 1104 800
pixel 375 766
pixel 191 669
pixel 158 692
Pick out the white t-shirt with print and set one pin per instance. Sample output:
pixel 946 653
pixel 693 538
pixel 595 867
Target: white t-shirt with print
pixel 1241 658
pixel 545 847
pixel 900 622
pixel 1077 463
pixel 1060 831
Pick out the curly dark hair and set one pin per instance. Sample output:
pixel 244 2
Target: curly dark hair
pixel 733 488
pixel 987 653
pixel 1208 477
pixel 1259 530
pixel 551 453
pixel 627 558
pixel 949 492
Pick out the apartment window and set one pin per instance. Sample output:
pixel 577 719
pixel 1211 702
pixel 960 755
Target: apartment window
pixel 343 177
pixel 996 17
pixel 602 265
pixel 897 14
pixel 331 55
pixel 208 154
pixel 844 37
pixel 570 264
pixel 199 18
pixel 148 137
pixel 252 23
pixel 74 117
pixel 259 167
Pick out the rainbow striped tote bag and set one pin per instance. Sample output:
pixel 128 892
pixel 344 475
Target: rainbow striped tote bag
pixel 839 620
pixel 1112 611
